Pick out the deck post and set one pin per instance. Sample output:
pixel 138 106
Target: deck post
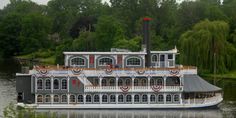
pixel 84 98
pixel 164 83
pixel 149 82
pixel 68 98
pixel 100 100
pixel 132 86
pixel 116 98
pixel 148 98
pixel 132 95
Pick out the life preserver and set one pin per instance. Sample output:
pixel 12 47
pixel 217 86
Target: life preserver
pixel 76 71
pixel 140 72
pixel 174 72
pixel 156 88
pixel 125 89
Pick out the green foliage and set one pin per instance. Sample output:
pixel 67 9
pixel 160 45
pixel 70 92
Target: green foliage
pixel 206 39
pixel 132 44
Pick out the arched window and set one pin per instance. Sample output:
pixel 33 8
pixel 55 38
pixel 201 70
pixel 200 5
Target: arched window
pixel 77 61
pixel 88 98
pixel 152 82
pixel 112 98
pixel 128 98
pixel 96 98
pixel 154 58
pixel 72 99
pixel 120 82
pixel 56 84
pixel 104 98
pixel 176 98
pixel 64 84
pixel 144 82
pixel 120 98
pixel 160 98
pixel 159 81
pixel 112 82
pixel 144 98
pixel 168 98
pixel 128 82
pixel 133 61
pixel 39 98
pixel 39 84
pixel 136 98
pixel 80 98
pixel 104 82
pixel 48 84
pixel 153 98
pixel 105 61
pixel 63 98
pixel 135 82
pixel 56 98
pixel 47 98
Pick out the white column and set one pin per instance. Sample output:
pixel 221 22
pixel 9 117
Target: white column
pixel 84 98
pixel 116 98
pixel 68 98
pixel 51 84
pixel 180 97
pixel 132 95
pixel 100 82
pixel 36 95
pixel 164 83
pixel 132 84
pixel 149 82
pixel 117 83
pixel 52 100
pixel 100 100
pixel 164 98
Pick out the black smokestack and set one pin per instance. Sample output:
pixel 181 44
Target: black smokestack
pixel 146 41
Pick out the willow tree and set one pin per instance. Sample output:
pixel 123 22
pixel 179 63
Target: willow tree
pixel 206 45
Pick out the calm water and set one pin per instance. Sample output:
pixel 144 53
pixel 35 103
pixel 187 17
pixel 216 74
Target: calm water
pixel 226 110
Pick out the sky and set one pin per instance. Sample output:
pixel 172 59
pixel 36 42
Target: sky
pixel 44 2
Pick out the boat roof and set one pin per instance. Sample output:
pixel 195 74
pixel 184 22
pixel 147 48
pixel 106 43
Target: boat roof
pixel 194 83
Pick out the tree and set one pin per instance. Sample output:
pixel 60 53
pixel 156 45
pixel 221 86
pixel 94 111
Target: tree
pixel 206 39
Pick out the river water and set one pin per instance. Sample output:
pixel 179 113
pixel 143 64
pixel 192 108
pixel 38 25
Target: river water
pixel 227 109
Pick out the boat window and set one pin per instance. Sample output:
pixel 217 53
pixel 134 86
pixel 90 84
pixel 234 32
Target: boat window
pixel 104 98
pixel 144 98
pixel 133 61
pixel 105 61
pixel 120 82
pixel 56 84
pixel 176 98
pixel 159 81
pixel 77 61
pixel 112 82
pixel 128 98
pixel 152 82
pixel 136 98
pixel 104 82
pixel 47 98
pixel 112 98
pixel 120 98
pixel 72 98
pixel 170 56
pixel 64 84
pixel 80 98
pixel 152 98
pixel 48 84
pixel 63 98
pixel 40 98
pixel 56 98
pixel 40 84
pixel 160 98
pixel 96 82
pixel 88 98
pixel 144 82
pixel 96 98
pixel 168 98
pixel 135 82
pixel 128 82
pixel 154 58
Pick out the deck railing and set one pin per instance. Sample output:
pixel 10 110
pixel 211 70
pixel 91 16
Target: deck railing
pixel 132 89
pixel 208 100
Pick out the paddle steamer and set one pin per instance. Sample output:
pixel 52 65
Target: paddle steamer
pixel 116 80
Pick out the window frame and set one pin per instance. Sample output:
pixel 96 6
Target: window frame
pixel 41 84
pixel 99 63
pixel 55 97
pixel 58 84
pixel 62 100
pixel 127 64
pixel 41 98
pixel 120 98
pixel 62 88
pixel 94 98
pixel 157 59
pixel 78 57
pixel 86 99
pixel 46 97
pixel 48 87
pixel 74 99
pixel 79 100
pixel 104 98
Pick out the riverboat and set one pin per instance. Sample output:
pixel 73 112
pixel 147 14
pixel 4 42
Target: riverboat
pixel 119 79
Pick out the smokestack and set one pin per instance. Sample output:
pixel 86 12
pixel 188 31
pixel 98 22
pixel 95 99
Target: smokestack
pixel 146 41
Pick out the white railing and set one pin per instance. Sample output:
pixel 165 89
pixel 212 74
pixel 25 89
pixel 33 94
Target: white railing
pixel 131 89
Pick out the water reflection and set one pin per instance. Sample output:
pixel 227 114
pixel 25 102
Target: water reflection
pixel 206 113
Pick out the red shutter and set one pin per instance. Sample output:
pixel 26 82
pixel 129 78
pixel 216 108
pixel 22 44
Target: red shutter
pixel 73 82
pixel 91 59
pixel 119 59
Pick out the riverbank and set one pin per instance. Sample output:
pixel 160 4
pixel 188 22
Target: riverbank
pixel 228 75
